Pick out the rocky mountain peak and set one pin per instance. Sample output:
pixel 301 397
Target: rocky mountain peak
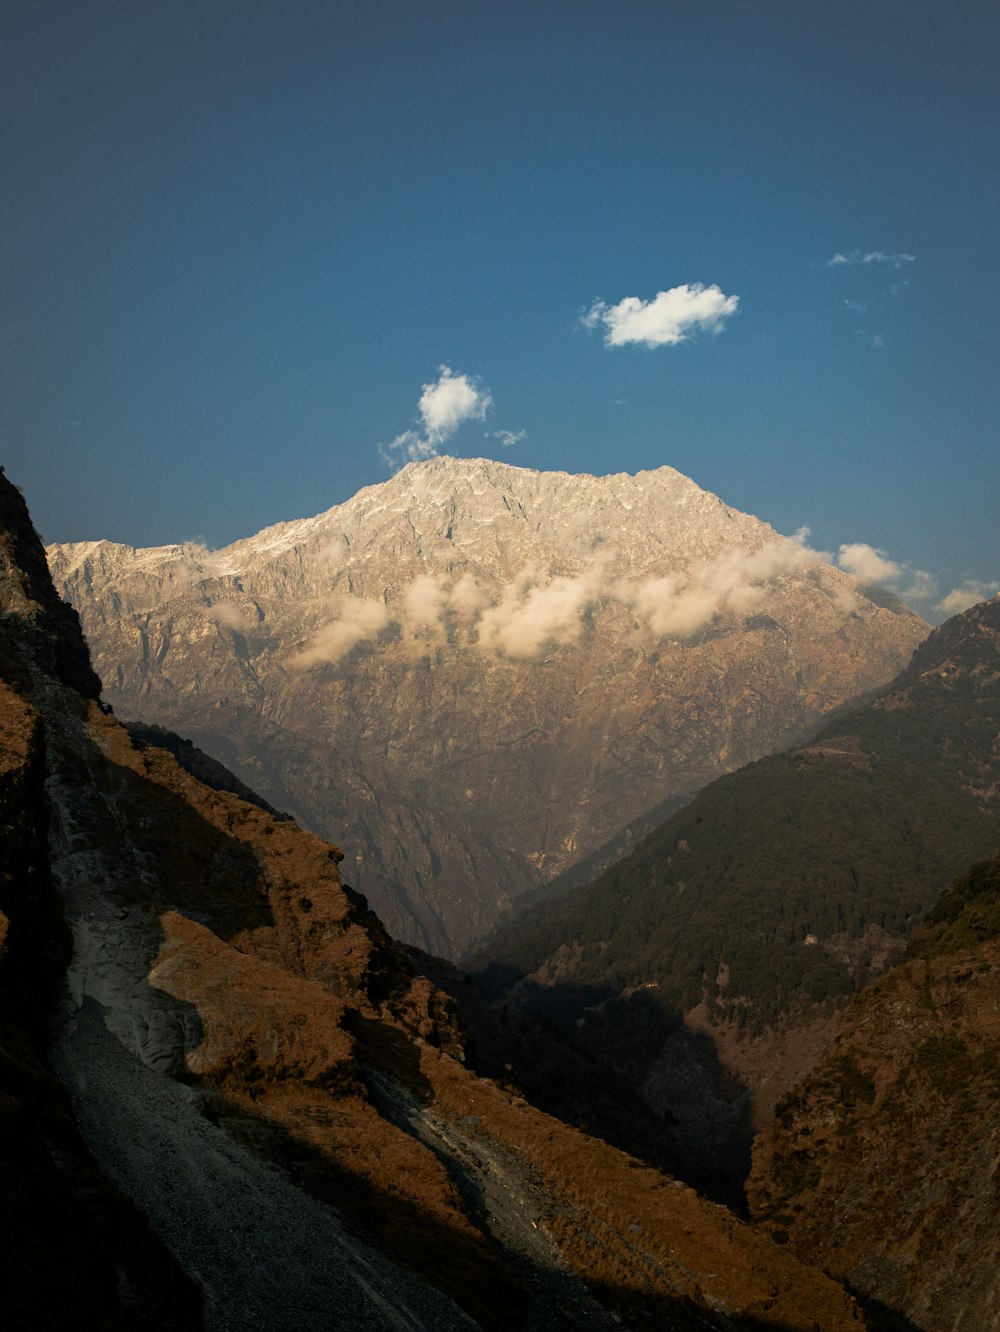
pixel 475 674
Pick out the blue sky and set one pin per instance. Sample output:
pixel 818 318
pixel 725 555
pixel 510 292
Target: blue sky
pixel 241 240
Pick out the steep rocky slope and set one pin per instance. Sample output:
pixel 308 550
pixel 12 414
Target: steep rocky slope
pixel 254 1063
pixel 73 1251
pixel 756 910
pixel 882 1166
pixel 473 675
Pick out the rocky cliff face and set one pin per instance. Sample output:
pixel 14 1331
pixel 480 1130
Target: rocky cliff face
pixel 73 1251
pixel 473 675
pixel 281 1091
pixel 882 1166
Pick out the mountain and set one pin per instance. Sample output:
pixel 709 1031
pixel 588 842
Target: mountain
pixel 73 1251
pixel 717 953
pixel 881 1166
pixel 475 675
pixel 264 1079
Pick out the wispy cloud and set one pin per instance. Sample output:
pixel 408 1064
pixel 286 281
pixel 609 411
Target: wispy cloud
pixel 445 404
pixel 669 318
pixel 892 258
pixel 534 611
pixel 867 564
pixel 970 592
pixel 358 619
pixel 508 438
pixel 873 567
pixel 228 614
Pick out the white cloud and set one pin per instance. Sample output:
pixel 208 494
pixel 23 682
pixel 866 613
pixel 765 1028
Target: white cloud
pixel 424 602
pixel 922 587
pixel 871 566
pixel 359 619
pixel 970 592
pixel 445 404
pixel 894 258
pixel 669 318
pixel 735 582
pixel 467 597
pixel 453 399
pixel 532 612
pixel 537 609
pixel 540 609
pixel 508 438
pixel 867 564
pixel 330 552
pixel 228 614
pixel 408 447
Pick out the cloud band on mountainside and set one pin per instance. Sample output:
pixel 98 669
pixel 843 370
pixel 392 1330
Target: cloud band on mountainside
pixel 872 567
pixel 227 614
pixel 539 608
pixel 359 619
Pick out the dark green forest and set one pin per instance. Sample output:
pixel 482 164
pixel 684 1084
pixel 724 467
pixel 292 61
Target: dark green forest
pixel 791 882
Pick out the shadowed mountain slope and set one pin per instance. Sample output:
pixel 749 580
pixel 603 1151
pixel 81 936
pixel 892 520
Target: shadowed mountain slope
pixel 779 890
pixel 475 675
pixel 882 1166
pixel 272 1081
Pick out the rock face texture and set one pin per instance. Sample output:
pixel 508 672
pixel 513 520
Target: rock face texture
pixel 73 1251
pixel 882 1166
pixel 254 1064
pixel 474 675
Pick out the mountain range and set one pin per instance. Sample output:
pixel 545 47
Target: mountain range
pixel 229 1100
pixel 475 676
pixel 267 1116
